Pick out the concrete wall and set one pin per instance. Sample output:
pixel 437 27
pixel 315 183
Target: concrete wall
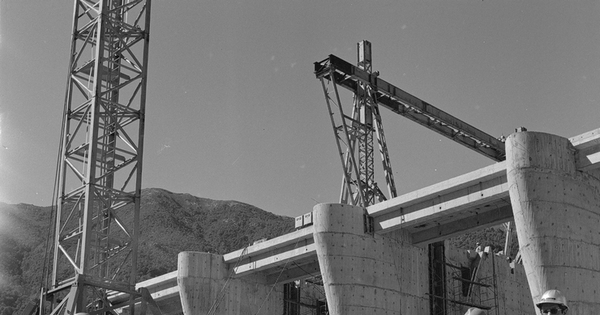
pixel 386 274
pixel 556 209
pixel 206 287
pixel 366 274
pixel 557 216
pixel 362 274
pixel 514 296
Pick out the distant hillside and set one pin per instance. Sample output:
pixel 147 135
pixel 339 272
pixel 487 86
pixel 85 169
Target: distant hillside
pixel 172 223
pixel 23 230
pixel 169 223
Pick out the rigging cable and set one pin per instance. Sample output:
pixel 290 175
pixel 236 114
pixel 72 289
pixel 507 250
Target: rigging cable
pixel 44 281
pixel 277 280
pixel 221 294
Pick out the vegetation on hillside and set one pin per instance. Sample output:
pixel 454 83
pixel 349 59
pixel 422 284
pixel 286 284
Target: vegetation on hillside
pixel 169 223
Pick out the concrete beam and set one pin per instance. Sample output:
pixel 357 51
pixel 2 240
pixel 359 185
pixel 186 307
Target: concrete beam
pixel 478 221
pixel 164 291
pixel 276 259
pixel 565 200
pixel 465 203
pixel 295 270
pixel 270 245
pixel 587 146
pixel 427 194
pixel 294 246
pixel 461 204
pixel 453 206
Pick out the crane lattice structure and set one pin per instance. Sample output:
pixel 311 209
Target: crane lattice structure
pixel 354 134
pixel 96 220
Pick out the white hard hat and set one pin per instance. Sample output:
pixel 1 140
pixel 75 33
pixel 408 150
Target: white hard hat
pixel 475 311
pixel 553 297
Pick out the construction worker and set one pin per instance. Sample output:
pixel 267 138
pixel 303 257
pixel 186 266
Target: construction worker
pixel 475 311
pixel 553 302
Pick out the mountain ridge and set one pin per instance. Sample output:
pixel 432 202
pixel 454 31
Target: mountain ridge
pixel 169 223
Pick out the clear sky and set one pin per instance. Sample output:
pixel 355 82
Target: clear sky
pixel 235 112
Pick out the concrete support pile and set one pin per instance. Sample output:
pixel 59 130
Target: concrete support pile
pixel 513 297
pixel 206 287
pixel 368 274
pixel 557 215
pixel 556 211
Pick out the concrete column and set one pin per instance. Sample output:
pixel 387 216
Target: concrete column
pixel 365 274
pixel 199 277
pixel 557 216
pixel 205 287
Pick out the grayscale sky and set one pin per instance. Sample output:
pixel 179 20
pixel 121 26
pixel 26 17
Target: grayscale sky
pixel 235 112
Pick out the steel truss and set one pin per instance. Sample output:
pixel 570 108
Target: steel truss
pixel 355 133
pixel 100 162
pixel 354 136
pixel 348 76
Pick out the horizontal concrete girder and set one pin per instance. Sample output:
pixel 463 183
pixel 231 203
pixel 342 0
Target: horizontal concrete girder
pixel 163 289
pixel 275 253
pixel 464 203
pixel 269 246
pixel 448 208
pixel 588 150
pixel 276 259
pixel 467 202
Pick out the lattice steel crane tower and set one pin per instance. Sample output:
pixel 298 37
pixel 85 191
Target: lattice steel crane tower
pixel 96 219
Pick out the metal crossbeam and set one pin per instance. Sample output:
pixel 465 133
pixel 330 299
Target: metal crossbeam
pixel 411 107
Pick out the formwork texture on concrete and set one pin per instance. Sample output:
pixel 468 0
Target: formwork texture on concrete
pixel 556 211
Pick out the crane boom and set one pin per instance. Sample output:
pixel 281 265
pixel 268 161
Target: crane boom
pixel 397 100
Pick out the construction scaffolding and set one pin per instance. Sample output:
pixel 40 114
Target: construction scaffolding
pixel 304 297
pixel 456 287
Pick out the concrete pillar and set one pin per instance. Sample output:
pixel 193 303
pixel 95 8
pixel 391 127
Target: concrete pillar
pixel 206 286
pixel 557 216
pixel 366 274
pixel 199 277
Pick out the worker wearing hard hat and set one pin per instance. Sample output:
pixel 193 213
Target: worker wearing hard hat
pixel 475 311
pixel 553 302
